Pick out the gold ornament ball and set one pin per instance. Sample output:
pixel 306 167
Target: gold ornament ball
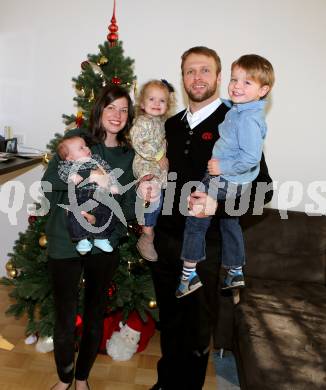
pixel 9 265
pixel 152 304
pixel 103 60
pixel 13 273
pixel 43 241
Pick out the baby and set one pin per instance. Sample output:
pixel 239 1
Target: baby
pixel 76 157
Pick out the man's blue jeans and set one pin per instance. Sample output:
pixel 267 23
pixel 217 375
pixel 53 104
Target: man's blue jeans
pixel 194 244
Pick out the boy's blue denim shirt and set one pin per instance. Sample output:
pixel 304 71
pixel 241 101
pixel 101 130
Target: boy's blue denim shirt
pixel 240 145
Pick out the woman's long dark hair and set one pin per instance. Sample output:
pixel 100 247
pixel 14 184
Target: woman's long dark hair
pixel 107 96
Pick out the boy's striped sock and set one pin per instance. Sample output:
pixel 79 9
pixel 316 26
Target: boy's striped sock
pixel 235 270
pixel 187 269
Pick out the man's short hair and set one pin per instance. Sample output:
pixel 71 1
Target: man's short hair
pixel 203 50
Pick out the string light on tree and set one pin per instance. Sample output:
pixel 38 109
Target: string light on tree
pixel 43 241
pixel 152 304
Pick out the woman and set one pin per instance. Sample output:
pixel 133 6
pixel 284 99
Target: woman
pixel 110 122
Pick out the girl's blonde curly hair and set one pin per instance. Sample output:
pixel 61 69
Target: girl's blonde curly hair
pixel 164 86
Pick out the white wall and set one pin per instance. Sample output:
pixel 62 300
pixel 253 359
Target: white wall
pixel 42 44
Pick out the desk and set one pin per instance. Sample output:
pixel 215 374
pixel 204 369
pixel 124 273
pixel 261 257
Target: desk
pixel 18 163
pixel 18 174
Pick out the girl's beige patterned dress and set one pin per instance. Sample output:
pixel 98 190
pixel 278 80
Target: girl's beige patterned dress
pixel 148 140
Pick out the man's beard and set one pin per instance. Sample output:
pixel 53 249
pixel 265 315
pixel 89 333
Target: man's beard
pixel 206 95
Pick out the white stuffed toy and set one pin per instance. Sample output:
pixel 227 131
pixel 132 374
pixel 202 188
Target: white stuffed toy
pixel 44 344
pixel 122 345
pixel 133 337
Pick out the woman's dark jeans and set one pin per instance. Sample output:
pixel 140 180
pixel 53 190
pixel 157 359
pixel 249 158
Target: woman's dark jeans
pixel 97 271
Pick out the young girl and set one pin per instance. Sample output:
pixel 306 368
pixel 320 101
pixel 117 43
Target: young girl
pixel 148 140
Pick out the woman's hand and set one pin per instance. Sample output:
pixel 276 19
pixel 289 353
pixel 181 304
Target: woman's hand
pixel 201 205
pixel 90 217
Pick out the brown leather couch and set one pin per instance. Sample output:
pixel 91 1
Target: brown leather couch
pixel 280 322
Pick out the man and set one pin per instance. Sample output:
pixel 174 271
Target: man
pixel 187 324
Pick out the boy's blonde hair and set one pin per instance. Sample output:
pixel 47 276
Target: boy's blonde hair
pixel 164 86
pixel 258 68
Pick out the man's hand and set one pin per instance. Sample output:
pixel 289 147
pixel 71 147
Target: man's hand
pixel 201 205
pixel 149 189
pixel 213 167
pixel 164 164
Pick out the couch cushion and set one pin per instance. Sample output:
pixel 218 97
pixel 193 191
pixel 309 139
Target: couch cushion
pixel 281 335
pixel 285 249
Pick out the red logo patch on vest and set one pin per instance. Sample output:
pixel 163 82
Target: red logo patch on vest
pixel 207 136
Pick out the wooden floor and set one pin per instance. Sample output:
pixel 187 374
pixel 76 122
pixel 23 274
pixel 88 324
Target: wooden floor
pixel 25 368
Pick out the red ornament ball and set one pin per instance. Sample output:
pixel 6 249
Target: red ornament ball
pixel 113 28
pixel 112 37
pixel 116 80
pixel 31 219
pixel 84 65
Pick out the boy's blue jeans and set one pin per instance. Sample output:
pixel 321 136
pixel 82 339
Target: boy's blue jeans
pixel 194 244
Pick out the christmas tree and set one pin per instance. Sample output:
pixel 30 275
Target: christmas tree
pixel 132 287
